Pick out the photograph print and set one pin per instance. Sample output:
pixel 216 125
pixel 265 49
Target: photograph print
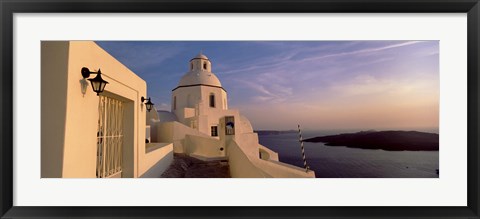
pixel 240 109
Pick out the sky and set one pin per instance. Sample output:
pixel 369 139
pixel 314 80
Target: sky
pixel 321 85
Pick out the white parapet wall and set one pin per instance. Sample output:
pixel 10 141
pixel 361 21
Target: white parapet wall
pixel 267 154
pixel 156 159
pixel 240 165
pixel 245 162
pixel 175 133
pixel 204 148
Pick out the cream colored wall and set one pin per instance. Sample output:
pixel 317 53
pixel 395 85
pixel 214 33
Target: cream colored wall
pixel 272 155
pixel 54 67
pixel 66 104
pixel 155 162
pixel 189 112
pixel 240 165
pixel 128 152
pixel 203 146
pixel 82 111
pixel 214 116
pixel 183 95
pixel 244 160
pixel 220 95
pixel 194 101
pixel 245 125
pixel 165 132
pixel 175 132
pixel 243 164
pixel 251 147
pixel 249 141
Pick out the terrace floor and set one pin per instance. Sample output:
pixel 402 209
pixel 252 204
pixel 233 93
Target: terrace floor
pixel 184 166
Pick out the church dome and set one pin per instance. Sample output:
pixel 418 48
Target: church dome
pixel 201 77
pixel 200 73
pixel 201 56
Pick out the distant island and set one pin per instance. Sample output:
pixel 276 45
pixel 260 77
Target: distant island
pixel 273 132
pixel 385 140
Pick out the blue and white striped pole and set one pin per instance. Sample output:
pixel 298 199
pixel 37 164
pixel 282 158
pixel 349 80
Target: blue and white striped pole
pixel 300 138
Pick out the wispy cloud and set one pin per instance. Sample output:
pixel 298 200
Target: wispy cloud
pixel 333 83
pixel 257 87
pixel 285 59
pixel 360 51
pixel 141 56
pixel 266 91
pixel 279 80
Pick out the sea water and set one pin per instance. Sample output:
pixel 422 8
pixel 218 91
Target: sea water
pixel 344 162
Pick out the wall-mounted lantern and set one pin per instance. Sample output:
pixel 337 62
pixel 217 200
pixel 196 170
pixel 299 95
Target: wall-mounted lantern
pixel 148 104
pixel 98 84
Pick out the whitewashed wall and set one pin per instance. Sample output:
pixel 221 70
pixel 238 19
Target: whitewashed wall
pixel 70 116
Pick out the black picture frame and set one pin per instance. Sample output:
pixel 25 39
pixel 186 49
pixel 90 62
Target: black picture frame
pixel 9 7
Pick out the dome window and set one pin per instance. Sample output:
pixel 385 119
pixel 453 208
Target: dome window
pixel 212 100
pixel 204 66
pixel 191 66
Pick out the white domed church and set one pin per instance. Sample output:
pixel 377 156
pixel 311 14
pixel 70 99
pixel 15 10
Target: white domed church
pixel 114 133
pixel 199 99
pixel 201 125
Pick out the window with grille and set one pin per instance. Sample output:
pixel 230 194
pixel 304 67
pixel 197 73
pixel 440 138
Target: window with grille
pixel 109 137
pixel 214 130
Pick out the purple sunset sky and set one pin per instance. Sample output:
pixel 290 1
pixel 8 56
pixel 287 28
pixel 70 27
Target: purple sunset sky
pixel 321 85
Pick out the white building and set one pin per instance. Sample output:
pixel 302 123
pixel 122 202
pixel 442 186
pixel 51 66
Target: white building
pixel 199 100
pixel 201 125
pixel 84 135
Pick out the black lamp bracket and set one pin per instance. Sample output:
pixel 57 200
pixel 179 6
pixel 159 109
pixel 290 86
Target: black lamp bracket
pixel 86 72
pixel 143 99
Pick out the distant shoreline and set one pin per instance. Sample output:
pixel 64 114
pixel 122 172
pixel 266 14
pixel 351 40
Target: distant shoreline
pixel 385 140
pixel 273 132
